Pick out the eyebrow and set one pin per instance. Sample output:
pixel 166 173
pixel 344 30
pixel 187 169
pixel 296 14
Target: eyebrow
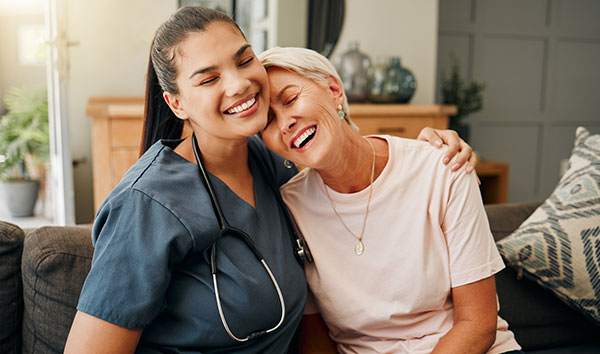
pixel 215 67
pixel 283 91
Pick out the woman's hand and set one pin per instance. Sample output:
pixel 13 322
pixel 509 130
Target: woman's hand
pixel 457 148
pixel 92 335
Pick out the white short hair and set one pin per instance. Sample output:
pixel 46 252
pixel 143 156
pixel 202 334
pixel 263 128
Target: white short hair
pixel 307 63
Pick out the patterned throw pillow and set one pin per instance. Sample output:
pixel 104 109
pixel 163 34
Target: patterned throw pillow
pixel 558 246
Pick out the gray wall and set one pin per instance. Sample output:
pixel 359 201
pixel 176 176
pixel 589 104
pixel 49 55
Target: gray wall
pixel 540 60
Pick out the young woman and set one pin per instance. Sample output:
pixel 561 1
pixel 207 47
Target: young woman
pixel 185 263
pixel 404 260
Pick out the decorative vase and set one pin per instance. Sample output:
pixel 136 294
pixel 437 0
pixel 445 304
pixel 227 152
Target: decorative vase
pixel 353 67
pixel 21 197
pixel 389 82
pixel 378 82
pixel 401 80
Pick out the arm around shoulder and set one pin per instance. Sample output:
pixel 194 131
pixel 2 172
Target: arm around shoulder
pixel 92 335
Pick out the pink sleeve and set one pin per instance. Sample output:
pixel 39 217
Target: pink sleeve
pixel 472 251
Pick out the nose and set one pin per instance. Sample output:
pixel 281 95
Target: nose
pixel 285 123
pixel 236 85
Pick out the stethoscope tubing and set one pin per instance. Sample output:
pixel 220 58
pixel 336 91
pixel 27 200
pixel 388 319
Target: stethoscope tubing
pixel 225 228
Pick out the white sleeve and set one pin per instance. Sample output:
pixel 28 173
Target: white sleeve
pixel 472 251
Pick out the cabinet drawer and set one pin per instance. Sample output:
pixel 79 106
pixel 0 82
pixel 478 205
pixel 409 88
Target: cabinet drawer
pixel 126 133
pixel 406 127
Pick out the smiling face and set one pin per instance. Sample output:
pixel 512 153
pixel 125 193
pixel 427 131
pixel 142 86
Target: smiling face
pixel 223 87
pixel 303 122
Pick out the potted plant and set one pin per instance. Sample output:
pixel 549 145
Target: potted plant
pixel 467 97
pixel 24 148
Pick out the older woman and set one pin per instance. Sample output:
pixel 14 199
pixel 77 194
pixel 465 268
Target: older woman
pixel 404 260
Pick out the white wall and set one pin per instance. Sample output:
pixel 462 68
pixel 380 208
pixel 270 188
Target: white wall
pixel 12 73
pixel 405 28
pixel 110 60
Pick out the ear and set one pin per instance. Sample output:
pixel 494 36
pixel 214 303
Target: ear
pixel 176 105
pixel 336 89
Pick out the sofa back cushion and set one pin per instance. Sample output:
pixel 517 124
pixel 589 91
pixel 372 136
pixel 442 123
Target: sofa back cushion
pixel 11 290
pixel 56 261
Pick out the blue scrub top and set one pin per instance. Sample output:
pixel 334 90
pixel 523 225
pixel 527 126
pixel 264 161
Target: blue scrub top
pixel 150 267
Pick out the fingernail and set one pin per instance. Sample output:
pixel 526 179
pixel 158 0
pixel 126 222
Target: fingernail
pixel 469 168
pixel 438 143
pixel 445 161
pixel 455 167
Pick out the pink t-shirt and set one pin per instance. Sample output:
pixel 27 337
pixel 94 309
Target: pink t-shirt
pixel 426 233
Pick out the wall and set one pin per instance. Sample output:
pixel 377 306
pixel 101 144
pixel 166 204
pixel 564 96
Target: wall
pixel 12 73
pixel 539 60
pixel 403 28
pixel 110 60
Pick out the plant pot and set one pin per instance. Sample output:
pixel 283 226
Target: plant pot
pixel 20 197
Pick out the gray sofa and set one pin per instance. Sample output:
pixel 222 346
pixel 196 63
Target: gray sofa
pixel 42 272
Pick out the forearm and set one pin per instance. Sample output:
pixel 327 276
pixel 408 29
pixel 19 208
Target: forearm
pixel 466 337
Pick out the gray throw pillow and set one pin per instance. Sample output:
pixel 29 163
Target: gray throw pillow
pixel 558 246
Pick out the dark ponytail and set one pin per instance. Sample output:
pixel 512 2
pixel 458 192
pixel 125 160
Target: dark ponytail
pixel 159 121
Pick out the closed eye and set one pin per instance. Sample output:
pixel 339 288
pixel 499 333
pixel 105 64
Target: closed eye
pixel 291 100
pixel 206 82
pixel 247 61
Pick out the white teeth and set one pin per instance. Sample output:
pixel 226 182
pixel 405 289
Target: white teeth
pixel 303 137
pixel 244 106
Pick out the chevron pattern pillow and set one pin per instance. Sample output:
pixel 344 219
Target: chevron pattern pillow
pixel 558 246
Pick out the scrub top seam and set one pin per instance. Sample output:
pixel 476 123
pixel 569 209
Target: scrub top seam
pixel 148 166
pixel 169 211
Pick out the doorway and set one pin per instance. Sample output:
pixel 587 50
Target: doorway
pixel 31 57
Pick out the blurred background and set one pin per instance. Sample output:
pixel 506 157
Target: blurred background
pixel 537 61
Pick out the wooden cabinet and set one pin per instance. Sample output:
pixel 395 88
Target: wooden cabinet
pixel 494 181
pixel 116 139
pixel 405 120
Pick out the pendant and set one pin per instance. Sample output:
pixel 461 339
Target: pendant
pixel 359 248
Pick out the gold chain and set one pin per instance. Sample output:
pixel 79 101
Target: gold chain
pixel 359 248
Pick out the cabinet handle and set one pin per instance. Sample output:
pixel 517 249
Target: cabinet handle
pixel 391 130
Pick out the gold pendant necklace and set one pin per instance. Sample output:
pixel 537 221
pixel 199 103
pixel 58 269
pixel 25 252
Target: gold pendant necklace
pixel 359 248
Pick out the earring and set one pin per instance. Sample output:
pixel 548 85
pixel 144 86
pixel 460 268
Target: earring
pixel 340 112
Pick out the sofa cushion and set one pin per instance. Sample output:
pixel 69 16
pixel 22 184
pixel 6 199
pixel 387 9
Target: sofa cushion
pixel 558 246
pixel 537 317
pixel 506 218
pixel 11 290
pixel 56 261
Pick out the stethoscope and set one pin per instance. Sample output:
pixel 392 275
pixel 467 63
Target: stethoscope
pixel 302 251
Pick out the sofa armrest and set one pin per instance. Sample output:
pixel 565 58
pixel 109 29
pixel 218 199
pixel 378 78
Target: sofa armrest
pixel 11 290
pixel 56 261
pixel 506 218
